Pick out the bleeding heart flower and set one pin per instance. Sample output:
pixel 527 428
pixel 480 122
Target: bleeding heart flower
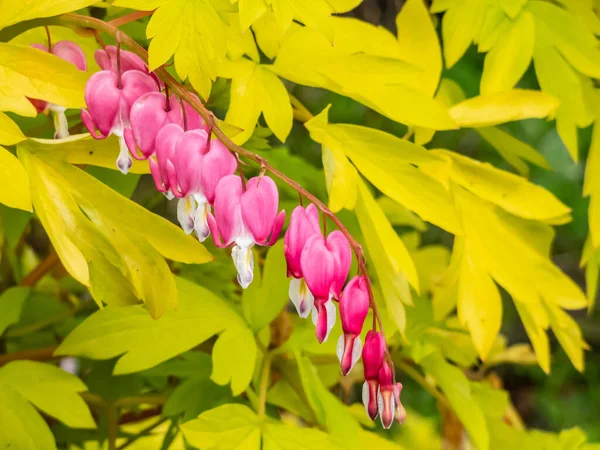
pixel 372 355
pixel 148 115
pixel 386 399
pixel 304 224
pixel 354 307
pixel 70 52
pixel 245 218
pixel 325 265
pixel 109 99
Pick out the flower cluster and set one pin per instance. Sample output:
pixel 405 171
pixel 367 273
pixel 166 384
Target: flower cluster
pixel 126 100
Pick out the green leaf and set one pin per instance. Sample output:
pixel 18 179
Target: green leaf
pixel 501 107
pixel 286 437
pixel 11 305
pixel 508 60
pixel 283 395
pixel 10 132
pixel 15 221
pixel 22 426
pixel 229 426
pixel 51 389
pixel 512 149
pixel 268 296
pixel 193 31
pixel 130 331
pixel 457 389
pixel 28 72
pixel 32 9
pixel 255 89
pixel 234 358
pixel 14 182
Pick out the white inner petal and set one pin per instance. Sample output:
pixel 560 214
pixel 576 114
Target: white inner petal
pixel 201 221
pixel 186 212
pixel 365 396
pixel 339 348
pixel 330 307
pixel 301 297
pixel 356 352
pixel 124 160
pixel 243 259
pixel 61 125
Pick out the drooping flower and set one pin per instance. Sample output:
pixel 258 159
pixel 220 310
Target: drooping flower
pixel 386 400
pixel 148 115
pixel 109 99
pixel 372 355
pixel 245 218
pixel 70 52
pixel 304 223
pixel 400 414
pixel 325 265
pixel 354 307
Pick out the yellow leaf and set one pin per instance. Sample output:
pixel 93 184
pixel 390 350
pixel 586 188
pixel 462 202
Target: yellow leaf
pixel 389 163
pixel 192 31
pixel 269 34
pixel 250 11
pixel 568 333
pixel 82 149
pixel 371 217
pixel 418 42
pixel 591 261
pixel 536 330
pixel 399 215
pixel 495 24
pixel 390 86
pixel 479 303
pixel 513 193
pixel 255 89
pixel 512 7
pixel 234 357
pixel 508 60
pixel 591 187
pixel 10 133
pixel 512 149
pixel 13 12
pixel 456 36
pixel 565 32
pixel 509 248
pixel 28 72
pixel 356 36
pixel 501 107
pixel 14 182
pixel 341 177
pixel 240 42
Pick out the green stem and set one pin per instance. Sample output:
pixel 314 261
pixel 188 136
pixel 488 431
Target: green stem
pixel 113 425
pixel 264 384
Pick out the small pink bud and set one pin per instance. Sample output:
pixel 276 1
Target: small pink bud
pixel 304 223
pixel 245 218
pixel 70 52
pixel 386 400
pixel 372 354
pixel 400 414
pixel 354 307
pixel 109 105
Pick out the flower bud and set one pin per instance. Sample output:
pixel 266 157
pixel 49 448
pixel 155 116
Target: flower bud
pixel 373 354
pixel 386 400
pixel 400 414
pixel 354 307
pixel 106 58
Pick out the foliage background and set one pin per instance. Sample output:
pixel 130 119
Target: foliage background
pixel 565 399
